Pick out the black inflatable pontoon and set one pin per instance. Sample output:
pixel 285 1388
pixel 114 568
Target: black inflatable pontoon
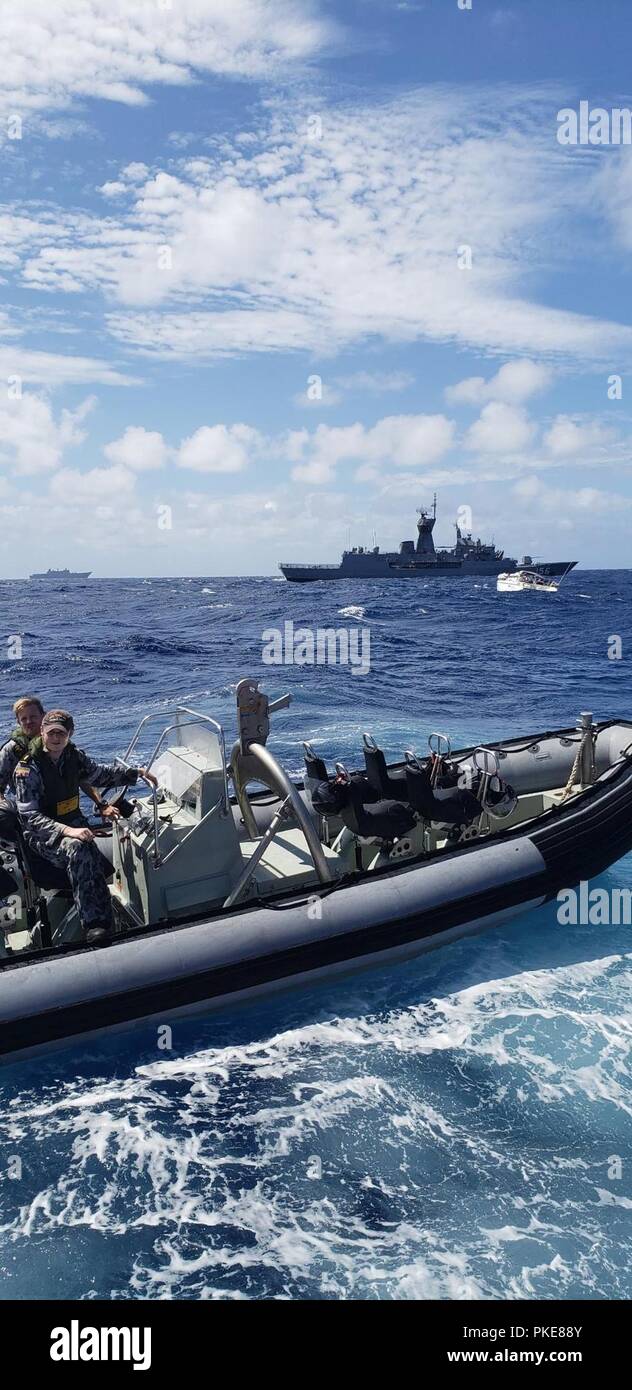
pixel 217 896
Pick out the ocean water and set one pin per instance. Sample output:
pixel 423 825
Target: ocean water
pixel 453 1127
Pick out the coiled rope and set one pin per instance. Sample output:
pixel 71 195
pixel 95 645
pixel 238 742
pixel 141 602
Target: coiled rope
pixel 588 736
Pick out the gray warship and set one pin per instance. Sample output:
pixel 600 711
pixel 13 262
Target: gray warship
pixel 62 574
pixel 423 560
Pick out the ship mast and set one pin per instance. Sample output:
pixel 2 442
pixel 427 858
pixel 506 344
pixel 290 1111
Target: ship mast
pixel 425 527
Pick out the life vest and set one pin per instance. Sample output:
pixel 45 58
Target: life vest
pixel 61 788
pixel 23 743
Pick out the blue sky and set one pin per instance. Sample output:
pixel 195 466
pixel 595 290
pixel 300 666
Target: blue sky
pixel 237 320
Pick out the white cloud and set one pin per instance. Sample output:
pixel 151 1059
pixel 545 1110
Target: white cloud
pixel 56 369
pixel 397 441
pixel 567 437
pixel 113 189
pixel 290 243
pixel 31 439
pixel 111 49
pixel 138 449
pixel 612 190
pixel 98 485
pixel 219 449
pixel 559 502
pixel 135 172
pixel 514 383
pixel 287 516
pixel 500 429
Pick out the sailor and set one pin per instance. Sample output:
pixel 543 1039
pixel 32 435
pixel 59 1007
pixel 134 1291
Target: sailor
pixel 28 712
pixel 25 738
pixel 47 783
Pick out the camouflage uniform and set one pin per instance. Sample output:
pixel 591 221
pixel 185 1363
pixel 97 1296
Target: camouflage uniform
pixel 10 754
pixel 81 859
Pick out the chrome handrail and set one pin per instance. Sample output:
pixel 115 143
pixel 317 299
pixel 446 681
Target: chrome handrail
pixel 239 783
pixel 154 798
pixel 197 717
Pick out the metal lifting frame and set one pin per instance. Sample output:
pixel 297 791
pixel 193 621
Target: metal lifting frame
pixel 273 773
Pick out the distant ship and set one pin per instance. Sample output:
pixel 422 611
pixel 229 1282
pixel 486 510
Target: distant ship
pixel 422 560
pixel 63 574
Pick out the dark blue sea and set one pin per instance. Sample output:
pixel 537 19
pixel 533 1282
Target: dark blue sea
pixel 448 1128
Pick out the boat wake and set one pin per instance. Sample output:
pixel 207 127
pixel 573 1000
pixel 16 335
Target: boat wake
pixel 317 1160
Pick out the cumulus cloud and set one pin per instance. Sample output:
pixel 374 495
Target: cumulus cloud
pixel 219 449
pixel 135 172
pixel 138 449
pixel 113 189
pixel 399 441
pixel 567 437
pixel 514 383
pixel 559 501
pixel 32 440
pixel 113 50
pixel 500 429
pixel 97 485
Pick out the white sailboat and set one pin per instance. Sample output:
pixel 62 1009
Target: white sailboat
pixel 520 580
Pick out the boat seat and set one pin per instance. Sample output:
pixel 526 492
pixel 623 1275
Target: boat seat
pixel 315 769
pixel 317 775
pixel 378 820
pixel 360 808
pixel 44 874
pixel 391 785
pixel 443 805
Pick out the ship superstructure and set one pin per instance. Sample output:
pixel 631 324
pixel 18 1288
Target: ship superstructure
pixel 421 559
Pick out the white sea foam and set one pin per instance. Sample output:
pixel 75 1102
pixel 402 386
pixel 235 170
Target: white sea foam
pixel 318 1160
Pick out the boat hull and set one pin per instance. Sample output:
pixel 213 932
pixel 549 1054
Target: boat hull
pixel 162 972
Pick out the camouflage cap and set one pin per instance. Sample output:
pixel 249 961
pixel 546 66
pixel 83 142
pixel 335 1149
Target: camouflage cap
pixel 58 719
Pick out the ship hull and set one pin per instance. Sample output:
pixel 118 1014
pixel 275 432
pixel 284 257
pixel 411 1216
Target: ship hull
pixel 399 567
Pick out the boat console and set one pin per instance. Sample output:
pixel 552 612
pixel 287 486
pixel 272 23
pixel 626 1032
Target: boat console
pixel 192 847
pixel 180 848
pixel 182 852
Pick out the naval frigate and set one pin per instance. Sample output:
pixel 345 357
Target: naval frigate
pixel 421 559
